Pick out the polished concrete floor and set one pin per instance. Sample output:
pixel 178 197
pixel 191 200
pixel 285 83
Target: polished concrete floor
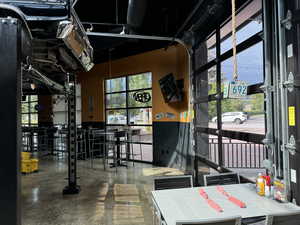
pixel 107 197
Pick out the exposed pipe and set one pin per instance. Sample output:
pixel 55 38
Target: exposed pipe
pixel 187 20
pixel 20 14
pixel 136 13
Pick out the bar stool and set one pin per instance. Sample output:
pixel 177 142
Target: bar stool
pixel 133 133
pixel 95 143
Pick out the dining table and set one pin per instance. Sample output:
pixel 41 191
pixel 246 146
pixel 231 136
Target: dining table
pixel 191 204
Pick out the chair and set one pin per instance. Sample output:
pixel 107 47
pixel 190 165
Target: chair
pixel 221 179
pixel 95 143
pixel 221 221
pixel 292 218
pixel 131 134
pixel 173 182
pixel 170 182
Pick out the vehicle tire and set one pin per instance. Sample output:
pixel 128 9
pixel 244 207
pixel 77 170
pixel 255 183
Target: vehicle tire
pixel 237 121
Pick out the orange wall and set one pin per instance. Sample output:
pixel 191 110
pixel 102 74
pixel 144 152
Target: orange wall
pixel 159 62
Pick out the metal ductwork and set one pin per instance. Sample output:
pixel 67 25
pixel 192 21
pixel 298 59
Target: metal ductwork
pixel 136 13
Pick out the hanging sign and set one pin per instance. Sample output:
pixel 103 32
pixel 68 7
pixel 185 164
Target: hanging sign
pixel 235 89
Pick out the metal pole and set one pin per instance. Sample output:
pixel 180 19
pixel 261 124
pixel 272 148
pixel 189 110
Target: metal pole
pixel 267 26
pixel 283 96
pixel 219 99
pixel 193 127
pixel 10 132
pixel 72 187
pixel 276 113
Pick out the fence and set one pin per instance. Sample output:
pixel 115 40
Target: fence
pixel 237 154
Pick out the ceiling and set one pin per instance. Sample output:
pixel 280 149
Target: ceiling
pixel 148 17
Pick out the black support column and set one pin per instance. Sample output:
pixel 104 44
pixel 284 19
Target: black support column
pixel 72 187
pixel 10 120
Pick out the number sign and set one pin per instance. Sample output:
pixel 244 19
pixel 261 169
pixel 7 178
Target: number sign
pixel 235 89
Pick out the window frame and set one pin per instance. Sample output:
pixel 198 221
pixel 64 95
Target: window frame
pixel 29 112
pixel 127 92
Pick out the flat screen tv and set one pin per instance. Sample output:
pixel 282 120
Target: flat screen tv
pixel 170 89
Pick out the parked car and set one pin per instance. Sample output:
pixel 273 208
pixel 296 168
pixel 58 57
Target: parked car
pixel 233 117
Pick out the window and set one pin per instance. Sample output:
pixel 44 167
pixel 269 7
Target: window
pixel 29 111
pixel 128 101
pixel 231 128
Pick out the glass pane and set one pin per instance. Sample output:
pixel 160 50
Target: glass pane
pixel 133 98
pixel 140 116
pixel 142 152
pixel 212 114
pixel 243 155
pixel 33 98
pixel 207 114
pixel 206 52
pixel 206 83
pixel 116 101
pixel 244 115
pixel 213 148
pixel 116 117
pixel 25 108
pixel 117 84
pixel 250 65
pixel 144 134
pixel 140 81
pixel 25 118
pixel 33 107
pixel 34 118
pixel 249 22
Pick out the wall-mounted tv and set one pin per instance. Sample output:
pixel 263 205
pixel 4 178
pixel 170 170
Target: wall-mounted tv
pixel 170 89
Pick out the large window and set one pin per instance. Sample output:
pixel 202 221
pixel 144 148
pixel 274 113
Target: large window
pixel 29 111
pixel 233 129
pixel 128 101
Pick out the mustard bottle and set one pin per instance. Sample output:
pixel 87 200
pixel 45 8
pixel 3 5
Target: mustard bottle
pixel 260 185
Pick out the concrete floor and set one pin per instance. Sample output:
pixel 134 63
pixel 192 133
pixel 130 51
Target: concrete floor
pixel 106 198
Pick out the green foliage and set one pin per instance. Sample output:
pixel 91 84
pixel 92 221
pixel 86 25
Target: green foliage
pixel 135 82
pixel 254 104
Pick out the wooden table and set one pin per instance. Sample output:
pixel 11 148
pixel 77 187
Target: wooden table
pixel 187 204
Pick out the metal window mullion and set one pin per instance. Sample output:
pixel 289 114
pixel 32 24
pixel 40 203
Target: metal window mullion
pixel 127 111
pixel 283 96
pixel 219 94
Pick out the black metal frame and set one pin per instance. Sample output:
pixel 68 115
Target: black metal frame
pixel 10 132
pixel 127 91
pixel 72 187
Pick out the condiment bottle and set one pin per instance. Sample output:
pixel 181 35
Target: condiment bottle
pixel 260 185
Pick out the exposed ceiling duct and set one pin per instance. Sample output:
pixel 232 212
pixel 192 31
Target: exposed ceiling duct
pixel 135 14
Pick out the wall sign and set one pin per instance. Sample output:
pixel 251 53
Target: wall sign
pixel 142 97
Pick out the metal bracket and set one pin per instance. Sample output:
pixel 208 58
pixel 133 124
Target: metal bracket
pixel 291 145
pixel 267 88
pixel 287 22
pixel 289 84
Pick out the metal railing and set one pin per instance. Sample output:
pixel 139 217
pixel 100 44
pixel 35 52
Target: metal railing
pixel 238 154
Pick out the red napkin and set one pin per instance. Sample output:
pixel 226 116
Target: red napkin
pixel 210 202
pixel 231 198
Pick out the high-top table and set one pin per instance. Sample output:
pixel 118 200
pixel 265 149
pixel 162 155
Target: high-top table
pixel 188 204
